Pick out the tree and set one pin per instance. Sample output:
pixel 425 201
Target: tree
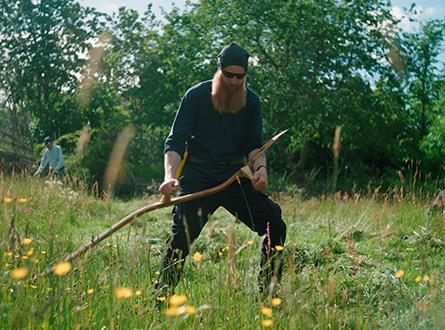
pixel 43 44
pixel 420 51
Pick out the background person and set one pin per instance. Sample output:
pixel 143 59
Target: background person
pixel 52 156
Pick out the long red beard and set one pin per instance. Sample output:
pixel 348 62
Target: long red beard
pixel 226 97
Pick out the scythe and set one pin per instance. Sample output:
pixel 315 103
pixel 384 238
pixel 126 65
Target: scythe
pixel 166 201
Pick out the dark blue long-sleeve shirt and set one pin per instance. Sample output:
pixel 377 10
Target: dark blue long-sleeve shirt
pixel 213 136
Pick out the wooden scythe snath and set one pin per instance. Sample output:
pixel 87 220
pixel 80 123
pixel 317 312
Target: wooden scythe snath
pixel 245 171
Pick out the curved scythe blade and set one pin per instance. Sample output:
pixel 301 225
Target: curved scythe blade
pixel 265 146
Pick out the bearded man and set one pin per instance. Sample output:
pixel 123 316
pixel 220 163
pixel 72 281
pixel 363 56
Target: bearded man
pixel 219 124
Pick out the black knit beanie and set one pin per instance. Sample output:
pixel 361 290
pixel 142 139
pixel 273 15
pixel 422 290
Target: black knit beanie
pixel 233 54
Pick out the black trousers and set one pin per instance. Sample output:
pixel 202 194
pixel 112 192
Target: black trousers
pixel 259 213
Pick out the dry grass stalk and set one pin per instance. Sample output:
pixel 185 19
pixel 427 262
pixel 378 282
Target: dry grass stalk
pixel 92 67
pixel 336 147
pixel 232 257
pixel 115 165
pixel 84 139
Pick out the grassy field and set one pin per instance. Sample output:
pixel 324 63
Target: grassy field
pixel 351 262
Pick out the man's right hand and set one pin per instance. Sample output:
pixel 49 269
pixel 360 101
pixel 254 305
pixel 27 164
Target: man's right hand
pixel 169 186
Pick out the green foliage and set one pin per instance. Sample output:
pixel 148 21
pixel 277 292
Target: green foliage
pixel 68 142
pixel 433 144
pixel 318 64
pixel 42 44
pixel 420 52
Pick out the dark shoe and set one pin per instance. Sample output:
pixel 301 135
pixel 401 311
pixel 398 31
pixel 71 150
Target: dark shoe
pixel 271 269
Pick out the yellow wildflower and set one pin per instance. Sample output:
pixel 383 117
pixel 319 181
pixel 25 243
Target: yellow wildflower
pixel 158 273
pixel 43 252
pixel 24 257
pixel 267 323
pixel 190 310
pixel 426 278
pixel 418 278
pixel 7 253
pixel 172 311
pixel 276 302
pixel 138 293
pixel 7 200
pixel 22 200
pixel 27 241
pixel 177 300
pixel 19 273
pixel 30 252
pixel 197 257
pixel 161 298
pixel 90 291
pixel 400 273
pixel 279 247
pixel 123 292
pixel 62 268
pixel 249 242
pixel 266 311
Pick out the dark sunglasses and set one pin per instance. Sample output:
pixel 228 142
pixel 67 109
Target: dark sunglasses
pixel 231 74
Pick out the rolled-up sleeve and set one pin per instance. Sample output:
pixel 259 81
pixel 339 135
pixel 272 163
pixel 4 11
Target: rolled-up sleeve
pixel 182 127
pixel 254 138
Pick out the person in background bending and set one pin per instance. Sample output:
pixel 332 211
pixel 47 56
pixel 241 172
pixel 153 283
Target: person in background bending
pixel 52 156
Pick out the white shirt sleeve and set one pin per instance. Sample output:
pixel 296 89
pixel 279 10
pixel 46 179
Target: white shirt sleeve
pixel 43 162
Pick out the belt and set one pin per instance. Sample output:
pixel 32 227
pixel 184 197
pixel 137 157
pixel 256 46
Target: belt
pixel 240 161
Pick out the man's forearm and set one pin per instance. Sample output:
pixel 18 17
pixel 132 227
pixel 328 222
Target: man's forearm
pixel 42 165
pixel 171 163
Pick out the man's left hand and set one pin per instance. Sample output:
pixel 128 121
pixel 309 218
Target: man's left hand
pixel 259 180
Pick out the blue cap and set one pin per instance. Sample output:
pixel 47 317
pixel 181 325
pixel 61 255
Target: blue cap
pixel 47 140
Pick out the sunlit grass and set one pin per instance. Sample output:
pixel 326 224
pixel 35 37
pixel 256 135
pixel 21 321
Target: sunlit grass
pixel 350 262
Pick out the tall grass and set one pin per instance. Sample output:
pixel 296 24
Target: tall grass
pixel 351 262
